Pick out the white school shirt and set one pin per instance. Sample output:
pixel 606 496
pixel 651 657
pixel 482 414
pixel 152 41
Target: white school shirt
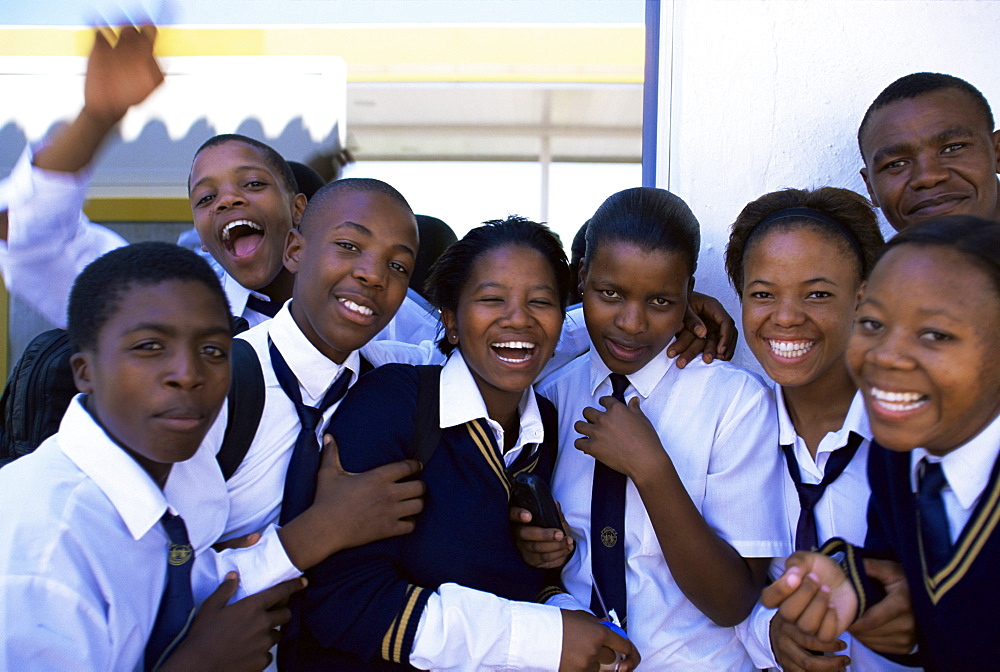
pixel 257 486
pixel 466 629
pixel 841 512
pixel 82 553
pixel 50 240
pixel 967 470
pixel 717 423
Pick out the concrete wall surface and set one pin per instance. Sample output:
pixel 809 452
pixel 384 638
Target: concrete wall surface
pixel 757 95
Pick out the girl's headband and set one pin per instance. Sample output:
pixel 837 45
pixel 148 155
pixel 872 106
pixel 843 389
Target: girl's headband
pixel 818 216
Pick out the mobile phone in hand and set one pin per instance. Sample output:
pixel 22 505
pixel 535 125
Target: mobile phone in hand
pixel 532 493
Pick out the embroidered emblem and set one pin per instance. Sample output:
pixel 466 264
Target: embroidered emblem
pixel 609 537
pixel 179 554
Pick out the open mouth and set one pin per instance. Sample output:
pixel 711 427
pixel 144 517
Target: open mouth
pixel 897 402
pixel 514 352
pixel 242 237
pixel 790 349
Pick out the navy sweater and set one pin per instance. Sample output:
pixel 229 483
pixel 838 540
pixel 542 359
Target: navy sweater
pixel 956 609
pixel 362 606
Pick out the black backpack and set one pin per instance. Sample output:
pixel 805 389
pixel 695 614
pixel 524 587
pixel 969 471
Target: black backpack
pixel 40 389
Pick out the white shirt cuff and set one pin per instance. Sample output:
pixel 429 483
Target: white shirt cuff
pixel 264 564
pixel 461 628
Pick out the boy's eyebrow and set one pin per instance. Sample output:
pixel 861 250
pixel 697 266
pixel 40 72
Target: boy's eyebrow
pixel 238 169
pixel 952 133
pixel 489 285
pixel 165 328
pixel 368 233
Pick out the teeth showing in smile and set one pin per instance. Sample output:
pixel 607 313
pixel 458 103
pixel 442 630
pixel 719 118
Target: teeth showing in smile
pixel 357 308
pixel 898 401
pixel 227 229
pixel 522 348
pixel 790 349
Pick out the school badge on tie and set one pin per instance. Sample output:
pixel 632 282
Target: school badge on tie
pixel 609 537
pixel 179 554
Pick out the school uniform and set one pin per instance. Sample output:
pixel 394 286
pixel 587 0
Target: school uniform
pixel 454 593
pixel 840 512
pixel 257 486
pixel 50 240
pixel 955 604
pixel 83 556
pixel 717 424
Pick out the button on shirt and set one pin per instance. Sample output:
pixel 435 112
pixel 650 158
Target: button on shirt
pixel 82 556
pixel 717 422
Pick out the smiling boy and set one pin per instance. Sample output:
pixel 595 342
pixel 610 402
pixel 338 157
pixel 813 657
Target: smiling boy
pixel 84 556
pixel 930 149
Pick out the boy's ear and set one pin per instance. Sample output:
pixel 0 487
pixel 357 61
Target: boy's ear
pixel 294 245
pixel 582 276
pixel 861 293
pixel 996 148
pixel 298 207
pixel 868 185
pixel 690 286
pixel 80 363
pixel 450 323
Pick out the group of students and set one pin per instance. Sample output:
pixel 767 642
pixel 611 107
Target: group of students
pixel 684 482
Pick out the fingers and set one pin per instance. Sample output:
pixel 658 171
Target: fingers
pixel 220 596
pixel 814 612
pixel 779 591
pixel 244 541
pixel 330 456
pixel 727 336
pixel 682 344
pixel 397 471
pixel 519 515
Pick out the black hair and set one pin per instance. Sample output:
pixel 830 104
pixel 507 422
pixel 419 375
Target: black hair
pixel 918 83
pixel 271 157
pixel 976 238
pixel 648 218
pixel 577 253
pixel 451 272
pixel 435 237
pixel 331 190
pixel 853 222
pixel 307 180
pixel 98 290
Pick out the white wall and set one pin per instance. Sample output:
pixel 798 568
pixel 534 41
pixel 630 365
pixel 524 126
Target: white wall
pixel 757 95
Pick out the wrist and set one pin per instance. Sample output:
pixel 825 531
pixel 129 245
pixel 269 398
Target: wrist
pixel 653 471
pixel 103 122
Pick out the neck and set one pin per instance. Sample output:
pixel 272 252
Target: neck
pixel 821 406
pixel 280 289
pixel 158 471
pixel 305 326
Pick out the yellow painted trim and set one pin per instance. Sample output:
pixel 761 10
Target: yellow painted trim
pixel 138 209
pixel 467 53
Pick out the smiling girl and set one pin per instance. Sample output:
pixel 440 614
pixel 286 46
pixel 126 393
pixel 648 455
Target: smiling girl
pixel 455 593
pixel 797 260
pixel 923 355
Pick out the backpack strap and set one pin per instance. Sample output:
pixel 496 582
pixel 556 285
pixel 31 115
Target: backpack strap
pixel 550 428
pixel 427 427
pixel 246 403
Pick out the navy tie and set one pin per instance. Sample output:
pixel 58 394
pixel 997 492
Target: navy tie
pixel 810 493
pixel 300 480
pixel 269 308
pixel 935 537
pixel 607 529
pixel 177 604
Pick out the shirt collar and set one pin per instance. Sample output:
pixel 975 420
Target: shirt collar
pixel 238 296
pixel 314 370
pixel 136 498
pixel 461 402
pixel 644 380
pixel 967 468
pixel 856 421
